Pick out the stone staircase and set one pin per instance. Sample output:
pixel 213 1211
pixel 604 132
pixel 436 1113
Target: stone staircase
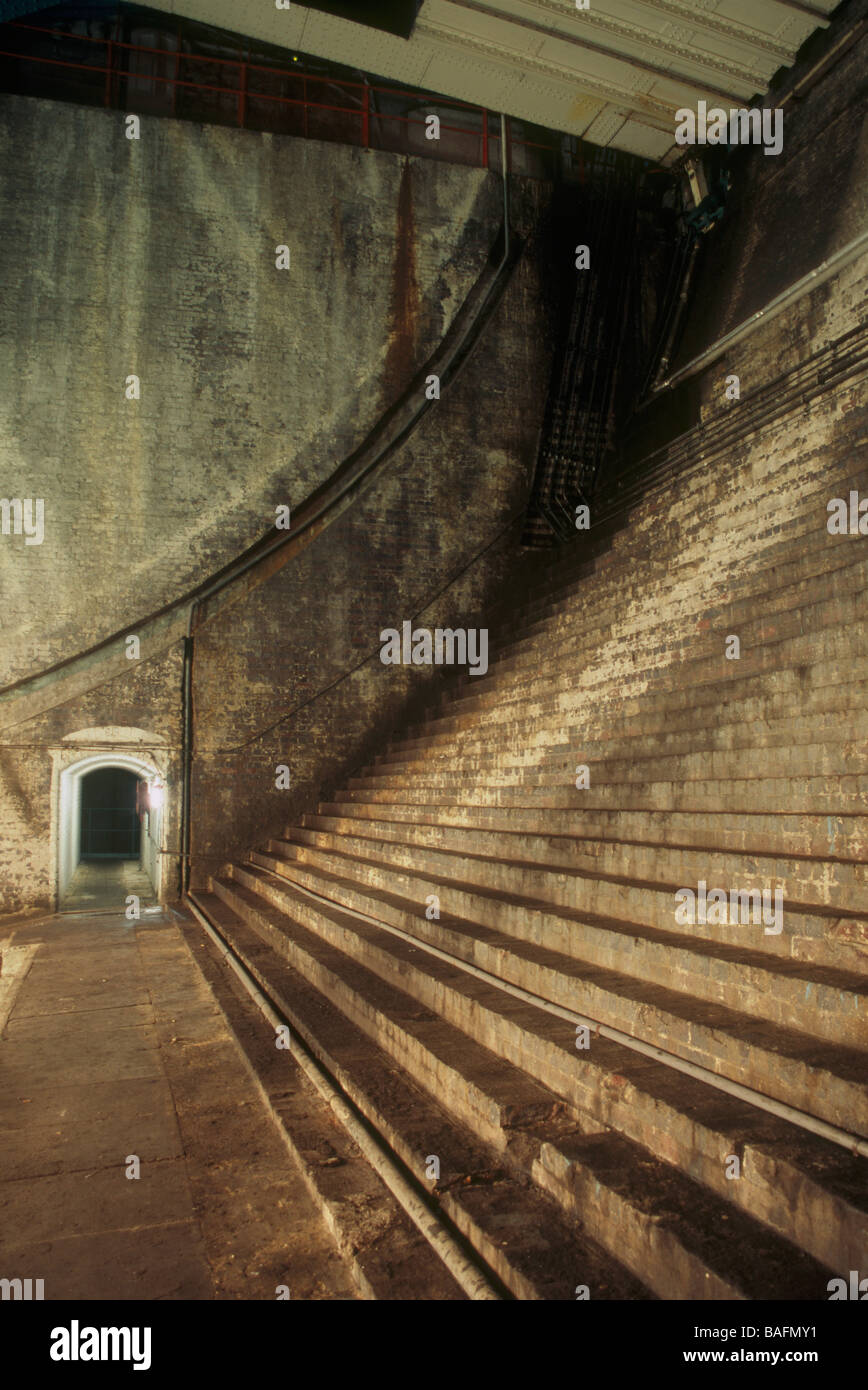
pixel 611 1167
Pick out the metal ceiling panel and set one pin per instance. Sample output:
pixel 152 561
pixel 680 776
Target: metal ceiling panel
pixel 541 30
pixel 281 27
pixel 787 23
pixel 616 72
pixel 393 16
pixel 459 73
pixel 360 47
pixel 605 127
pixel 636 138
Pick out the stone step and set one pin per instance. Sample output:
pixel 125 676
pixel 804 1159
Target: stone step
pixel 729 716
pixel 702 652
pixel 618 925
pixel 376 1050
pixel 585 592
pixel 669 521
pixel 667 1226
pixel 832 653
pixel 672 480
pixel 587 893
pixel 669 643
pixel 655 1197
pixel 384 1249
pixel 808 796
pixel 484 1091
pixel 618 599
pixel 825 881
pixel 688 642
pixel 648 543
pixel 786 486
pixel 824 714
pixel 759 794
pixel 818 1077
pixel 501 766
pixel 650 1101
pixel 653 545
pixel 678 704
pixel 779 834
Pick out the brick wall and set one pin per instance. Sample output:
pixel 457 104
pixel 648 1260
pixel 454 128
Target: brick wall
pixel 156 257
pixel 293 674
pixel 789 212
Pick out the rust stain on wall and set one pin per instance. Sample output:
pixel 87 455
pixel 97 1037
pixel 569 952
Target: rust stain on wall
pixel 404 299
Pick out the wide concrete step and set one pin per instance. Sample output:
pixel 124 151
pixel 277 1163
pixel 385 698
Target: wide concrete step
pixel 808 796
pixel 803 563
pixel 839 883
pixel 605 731
pixel 518 1231
pixel 800 932
pixel 682 489
pixel 673 653
pixel 787 488
pixel 620 925
pixel 665 1210
pixel 824 715
pixel 818 1077
pixel 679 708
pixel 796 550
pixel 487 1092
pixel 691 1234
pixel 571 692
pixel 617 606
pixel 655 549
pixel 816 794
pixel 501 765
pixel 388 1255
pixel 779 834
pixel 677 660
pixel 673 646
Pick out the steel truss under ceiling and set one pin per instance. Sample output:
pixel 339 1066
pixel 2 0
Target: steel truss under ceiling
pixel 614 74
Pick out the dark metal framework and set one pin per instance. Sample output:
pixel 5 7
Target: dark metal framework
pixel 625 213
pixel 140 61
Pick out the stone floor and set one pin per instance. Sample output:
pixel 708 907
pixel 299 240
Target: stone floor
pixel 114 1049
pixel 98 884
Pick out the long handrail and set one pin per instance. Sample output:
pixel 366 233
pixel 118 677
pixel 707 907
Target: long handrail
pixel 785 300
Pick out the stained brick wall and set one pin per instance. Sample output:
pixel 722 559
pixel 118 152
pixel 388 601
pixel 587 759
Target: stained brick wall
pixel 156 257
pixel 293 674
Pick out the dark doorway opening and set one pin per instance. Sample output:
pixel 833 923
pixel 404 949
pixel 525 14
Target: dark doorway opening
pixel 110 826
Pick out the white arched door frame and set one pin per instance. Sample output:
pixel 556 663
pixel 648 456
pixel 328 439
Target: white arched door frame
pixel 69 811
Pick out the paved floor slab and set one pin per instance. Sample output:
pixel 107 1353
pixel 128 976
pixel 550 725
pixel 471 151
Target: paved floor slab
pixel 167 1261
pixel 100 884
pixel 114 1047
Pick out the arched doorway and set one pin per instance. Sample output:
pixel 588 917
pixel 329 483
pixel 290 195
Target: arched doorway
pixel 110 827
pixel 110 832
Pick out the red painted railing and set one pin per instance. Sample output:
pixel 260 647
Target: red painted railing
pixel 251 107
